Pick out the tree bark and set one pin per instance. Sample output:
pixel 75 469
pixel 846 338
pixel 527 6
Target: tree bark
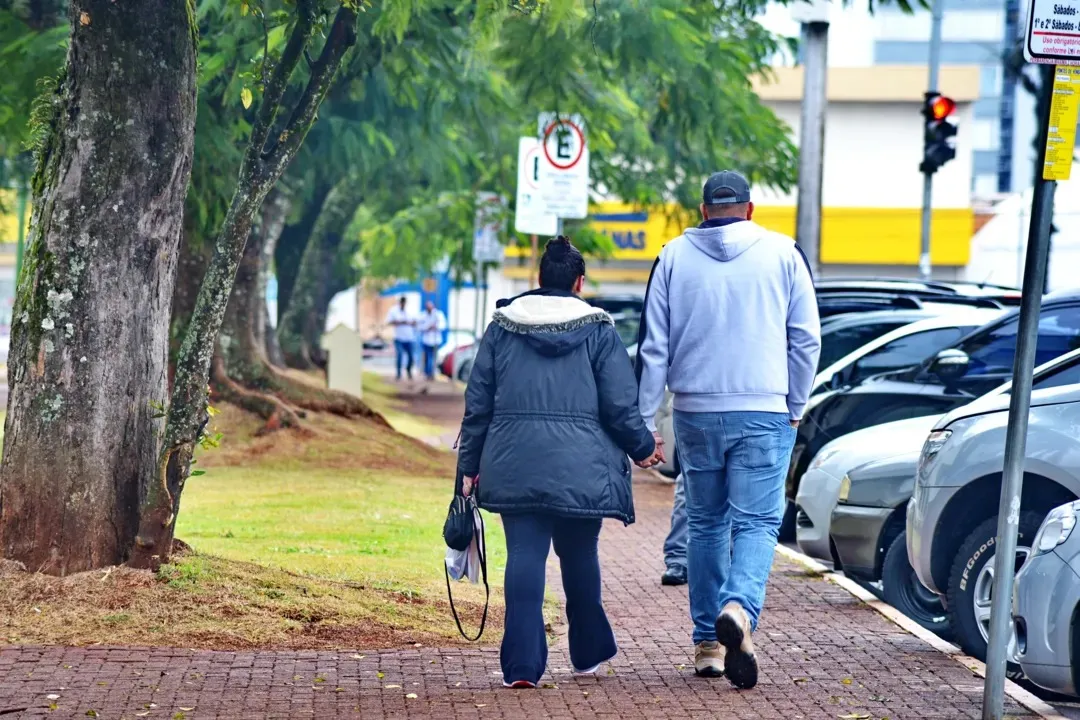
pixel 275 212
pixel 90 340
pixel 263 164
pixel 290 248
pixel 304 321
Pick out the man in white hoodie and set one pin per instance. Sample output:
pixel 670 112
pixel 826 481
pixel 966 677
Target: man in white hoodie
pixel 733 332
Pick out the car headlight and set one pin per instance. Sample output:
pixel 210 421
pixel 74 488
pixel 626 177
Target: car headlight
pixel 931 448
pixel 823 457
pixel 845 489
pixel 1055 529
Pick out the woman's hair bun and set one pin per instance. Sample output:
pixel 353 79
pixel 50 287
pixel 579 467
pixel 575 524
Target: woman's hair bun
pixel 560 244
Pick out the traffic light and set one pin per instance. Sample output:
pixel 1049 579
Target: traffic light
pixel 939 135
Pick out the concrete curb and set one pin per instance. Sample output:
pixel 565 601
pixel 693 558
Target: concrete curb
pixel 1014 691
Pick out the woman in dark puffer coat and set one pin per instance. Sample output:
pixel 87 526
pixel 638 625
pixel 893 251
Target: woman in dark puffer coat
pixel 551 415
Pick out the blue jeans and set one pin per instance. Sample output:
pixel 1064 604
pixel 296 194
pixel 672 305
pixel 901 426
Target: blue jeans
pixel 429 361
pixel 675 544
pixel 524 644
pixel 403 356
pixel 734 465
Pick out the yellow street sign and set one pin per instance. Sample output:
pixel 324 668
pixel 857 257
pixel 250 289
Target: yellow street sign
pixel 1061 135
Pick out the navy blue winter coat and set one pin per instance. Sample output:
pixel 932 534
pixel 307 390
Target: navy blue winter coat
pixel 551 412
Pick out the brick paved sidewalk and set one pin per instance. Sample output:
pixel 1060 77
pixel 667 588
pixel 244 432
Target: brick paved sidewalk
pixel 822 654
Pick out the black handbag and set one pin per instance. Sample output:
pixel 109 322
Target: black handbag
pixel 458 532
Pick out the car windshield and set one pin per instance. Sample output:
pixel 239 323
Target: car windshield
pixel 992 352
pixel 842 341
pixel 626 324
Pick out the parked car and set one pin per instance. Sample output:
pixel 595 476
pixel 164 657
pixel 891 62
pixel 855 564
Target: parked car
pixel 457 364
pixel 615 304
pixel 454 340
pixel 930 290
pixel 900 348
pixel 972 367
pixel 862 345
pixel 830 469
pixel 868 536
pixel 1045 604
pixel 951 520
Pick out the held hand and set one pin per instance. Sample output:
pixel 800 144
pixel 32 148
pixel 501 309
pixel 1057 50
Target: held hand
pixel 467 485
pixel 660 455
pixel 795 423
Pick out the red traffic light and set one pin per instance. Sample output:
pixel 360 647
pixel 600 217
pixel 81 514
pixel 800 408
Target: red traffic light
pixel 941 107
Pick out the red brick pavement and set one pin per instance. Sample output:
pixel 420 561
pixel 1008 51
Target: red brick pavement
pixel 822 654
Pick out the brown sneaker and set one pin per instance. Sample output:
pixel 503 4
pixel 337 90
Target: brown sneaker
pixel 709 659
pixel 733 632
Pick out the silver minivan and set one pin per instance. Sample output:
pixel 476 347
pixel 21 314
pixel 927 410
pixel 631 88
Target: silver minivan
pixel 952 517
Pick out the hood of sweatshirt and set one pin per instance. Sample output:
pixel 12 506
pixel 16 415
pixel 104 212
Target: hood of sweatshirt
pixel 552 323
pixel 726 242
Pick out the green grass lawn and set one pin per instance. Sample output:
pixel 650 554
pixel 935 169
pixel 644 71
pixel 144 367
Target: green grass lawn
pixel 376 529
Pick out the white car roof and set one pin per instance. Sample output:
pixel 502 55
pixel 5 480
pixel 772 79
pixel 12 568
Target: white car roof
pixel 955 317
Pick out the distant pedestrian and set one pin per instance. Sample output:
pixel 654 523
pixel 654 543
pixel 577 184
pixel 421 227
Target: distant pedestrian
pixel 404 337
pixel 550 416
pixel 430 325
pixel 733 331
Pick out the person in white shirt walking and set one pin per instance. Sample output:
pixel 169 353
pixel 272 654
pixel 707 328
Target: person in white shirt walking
pixel 404 337
pixel 431 325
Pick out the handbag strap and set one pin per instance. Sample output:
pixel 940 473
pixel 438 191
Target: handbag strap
pixel 482 548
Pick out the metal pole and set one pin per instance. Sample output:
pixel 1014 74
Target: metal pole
pixel 1042 212
pixel 19 248
pixel 535 259
pixel 925 269
pixel 812 140
pixel 484 301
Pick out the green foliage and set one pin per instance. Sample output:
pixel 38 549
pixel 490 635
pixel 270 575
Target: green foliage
pixel 32 47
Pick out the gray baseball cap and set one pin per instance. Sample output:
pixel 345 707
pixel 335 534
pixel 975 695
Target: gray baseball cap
pixel 726 187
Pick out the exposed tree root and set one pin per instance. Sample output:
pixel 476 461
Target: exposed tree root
pixel 315 399
pixel 275 412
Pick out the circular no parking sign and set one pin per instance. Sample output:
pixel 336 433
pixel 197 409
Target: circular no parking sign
pixel 564 144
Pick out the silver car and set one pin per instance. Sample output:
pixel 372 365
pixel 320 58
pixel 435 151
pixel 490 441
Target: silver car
pixel 952 516
pixel 821 485
pixel 1045 602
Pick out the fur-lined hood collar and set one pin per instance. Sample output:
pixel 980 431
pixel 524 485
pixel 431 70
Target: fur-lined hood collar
pixel 552 323
pixel 529 314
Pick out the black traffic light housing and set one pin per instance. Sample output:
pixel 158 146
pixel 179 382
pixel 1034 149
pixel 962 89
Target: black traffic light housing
pixel 939 134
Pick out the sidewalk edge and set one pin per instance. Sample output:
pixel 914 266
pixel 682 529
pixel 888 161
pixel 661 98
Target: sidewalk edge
pixel 1014 691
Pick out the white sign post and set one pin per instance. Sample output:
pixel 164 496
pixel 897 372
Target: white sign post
pixel 531 216
pixel 564 182
pixel 344 369
pixel 1053 32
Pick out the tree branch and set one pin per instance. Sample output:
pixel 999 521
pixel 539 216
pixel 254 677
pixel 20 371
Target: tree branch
pixel 342 36
pixel 279 81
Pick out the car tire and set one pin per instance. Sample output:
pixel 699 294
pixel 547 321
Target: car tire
pixel 967 582
pixel 902 589
pixel 787 526
pixel 465 371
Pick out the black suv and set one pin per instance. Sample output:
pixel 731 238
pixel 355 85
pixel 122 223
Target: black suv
pixel 975 365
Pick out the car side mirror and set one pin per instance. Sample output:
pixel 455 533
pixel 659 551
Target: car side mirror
pixel 950 365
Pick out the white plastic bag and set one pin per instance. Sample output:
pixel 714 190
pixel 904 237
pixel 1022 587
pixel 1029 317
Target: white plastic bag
pixel 463 564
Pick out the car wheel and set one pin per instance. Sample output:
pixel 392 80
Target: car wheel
pixel 971 583
pixel 902 589
pixel 465 371
pixel 787 526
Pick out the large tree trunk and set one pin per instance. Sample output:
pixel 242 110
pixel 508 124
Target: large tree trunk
pixel 274 225
pixel 264 162
pixel 90 338
pixel 304 321
pixel 290 248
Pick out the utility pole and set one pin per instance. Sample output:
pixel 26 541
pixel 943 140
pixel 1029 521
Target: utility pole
pixel 1056 142
pixel 925 269
pixel 814 17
